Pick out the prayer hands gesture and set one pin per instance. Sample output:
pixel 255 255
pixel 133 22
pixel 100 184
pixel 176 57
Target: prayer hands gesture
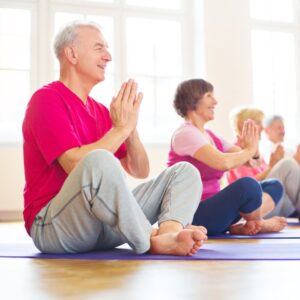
pixel 250 136
pixel 124 108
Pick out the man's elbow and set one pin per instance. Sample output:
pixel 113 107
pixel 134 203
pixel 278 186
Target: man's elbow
pixel 68 162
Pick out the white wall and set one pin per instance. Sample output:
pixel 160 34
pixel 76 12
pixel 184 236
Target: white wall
pixel 228 57
pixel 158 158
pixel 228 68
pixel 11 180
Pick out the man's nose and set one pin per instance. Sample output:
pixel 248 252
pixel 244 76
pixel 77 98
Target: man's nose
pixel 108 56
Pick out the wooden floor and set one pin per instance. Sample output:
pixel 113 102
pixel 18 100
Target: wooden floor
pixel 142 280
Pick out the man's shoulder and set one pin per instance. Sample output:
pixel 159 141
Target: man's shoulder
pixel 46 92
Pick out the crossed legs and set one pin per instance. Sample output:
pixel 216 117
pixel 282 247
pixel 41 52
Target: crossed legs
pixel 96 210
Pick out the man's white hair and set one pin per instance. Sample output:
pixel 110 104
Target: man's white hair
pixel 68 35
pixel 270 119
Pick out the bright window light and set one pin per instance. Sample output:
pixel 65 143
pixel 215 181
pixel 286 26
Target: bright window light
pixel 155 61
pixel 14 71
pixel 274 76
pixel 169 4
pixel 272 10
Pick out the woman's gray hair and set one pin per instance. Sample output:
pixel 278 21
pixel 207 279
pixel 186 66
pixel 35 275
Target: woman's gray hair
pixel 68 35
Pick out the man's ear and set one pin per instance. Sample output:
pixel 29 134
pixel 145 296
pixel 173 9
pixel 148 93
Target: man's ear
pixel 71 54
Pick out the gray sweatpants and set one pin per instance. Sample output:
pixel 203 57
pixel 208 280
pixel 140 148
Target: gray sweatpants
pixel 287 171
pixel 96 210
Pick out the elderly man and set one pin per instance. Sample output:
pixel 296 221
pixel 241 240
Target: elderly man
pixel 75 150
pixel 273 140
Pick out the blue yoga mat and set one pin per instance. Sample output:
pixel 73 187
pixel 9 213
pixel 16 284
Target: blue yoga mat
pixel 277 250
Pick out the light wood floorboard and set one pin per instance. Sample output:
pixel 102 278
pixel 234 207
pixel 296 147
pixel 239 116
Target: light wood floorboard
pixel 143 280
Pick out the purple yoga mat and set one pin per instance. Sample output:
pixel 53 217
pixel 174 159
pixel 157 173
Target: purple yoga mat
pixel 296 224
pixel 288 233
pixel 210 251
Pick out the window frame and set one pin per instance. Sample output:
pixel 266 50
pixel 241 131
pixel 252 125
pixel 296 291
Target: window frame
pixel 43 12
pixel 294 29
pixel 31 6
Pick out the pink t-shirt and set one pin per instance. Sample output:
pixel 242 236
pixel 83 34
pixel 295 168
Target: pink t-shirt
pixel 56 120
pixel 186 141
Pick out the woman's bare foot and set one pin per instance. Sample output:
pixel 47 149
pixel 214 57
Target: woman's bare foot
pixel 184 242
pixel 274 224
pixel 251 227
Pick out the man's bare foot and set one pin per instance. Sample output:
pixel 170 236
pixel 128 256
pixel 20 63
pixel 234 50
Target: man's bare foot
pixel 274 224
pixel 251 227
pixel 154 232
pixel 194 227
pixel 184 242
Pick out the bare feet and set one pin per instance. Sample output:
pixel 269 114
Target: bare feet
pixel 194 227
pixel 274 224
pixel 184 242
pixel 154 232
pixel 251 227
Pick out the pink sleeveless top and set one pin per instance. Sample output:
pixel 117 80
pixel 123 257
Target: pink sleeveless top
pixel 210 177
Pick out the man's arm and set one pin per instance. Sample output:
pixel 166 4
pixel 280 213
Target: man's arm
pixel 136 162
pixel 111 141
pixel 124 111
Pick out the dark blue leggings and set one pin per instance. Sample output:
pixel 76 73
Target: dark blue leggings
pixel 273 187
pixel 217 213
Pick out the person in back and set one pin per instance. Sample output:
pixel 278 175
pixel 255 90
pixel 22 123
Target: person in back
pixel 273 135
pixel 220 210
pixel 284 169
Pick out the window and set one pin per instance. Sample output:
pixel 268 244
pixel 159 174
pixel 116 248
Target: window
pixel 158 71
pixel 15 70
pixel 275 44
pixel 169 4
pixel 273 10
pixel 145 39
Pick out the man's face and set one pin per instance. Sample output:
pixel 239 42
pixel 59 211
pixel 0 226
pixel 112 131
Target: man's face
pixel 92 53
pixel 275 132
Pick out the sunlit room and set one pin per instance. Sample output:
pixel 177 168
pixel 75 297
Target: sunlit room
pixel 247 53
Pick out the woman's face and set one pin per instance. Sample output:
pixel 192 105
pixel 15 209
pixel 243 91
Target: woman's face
pixel 206 107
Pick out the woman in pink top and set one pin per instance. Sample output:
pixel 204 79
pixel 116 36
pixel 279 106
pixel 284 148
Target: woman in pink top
pixel 220 210
pixel 284 169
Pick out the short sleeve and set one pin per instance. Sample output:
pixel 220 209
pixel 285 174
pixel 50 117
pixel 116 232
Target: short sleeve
pixel 50 125
pixel 121 152
pixel 226 145
pixel 187 140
